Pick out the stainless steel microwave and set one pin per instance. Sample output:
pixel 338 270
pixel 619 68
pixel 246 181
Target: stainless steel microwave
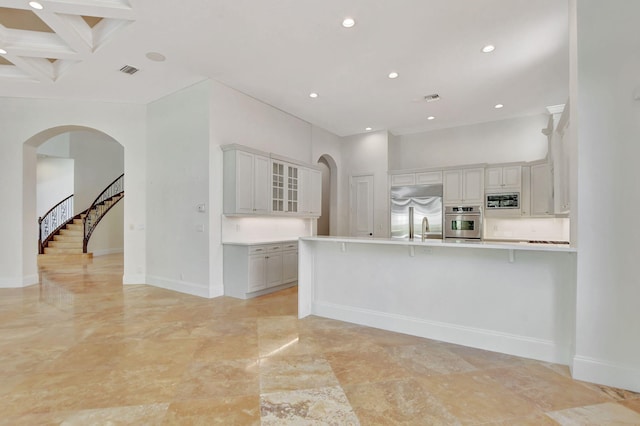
pixel 502 200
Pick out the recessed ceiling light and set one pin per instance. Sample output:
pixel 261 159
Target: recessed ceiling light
pixel 431 117
pixel 498 106
pixel 3 52
pixel 367 128
pixel 348 22
pixel 313 95
pixel 393 74
pixel 488 48
pixel 155 56
pixel 36 5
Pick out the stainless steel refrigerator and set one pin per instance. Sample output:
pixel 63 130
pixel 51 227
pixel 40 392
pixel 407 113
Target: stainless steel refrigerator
pixel 426 200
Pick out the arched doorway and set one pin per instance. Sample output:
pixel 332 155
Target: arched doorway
pixel 327 222
pixel 97 160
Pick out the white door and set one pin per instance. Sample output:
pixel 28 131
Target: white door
pixel 362 206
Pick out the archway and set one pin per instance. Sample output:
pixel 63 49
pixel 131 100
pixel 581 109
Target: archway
pixel 98 159
pixel 327 222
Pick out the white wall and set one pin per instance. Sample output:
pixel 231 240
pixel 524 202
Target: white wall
pixel 57 146
pixel 264 229
pixel 108 237
pixel 99 159
pixel 367 154
pixel 35 121
pixel 54 180
pixel 177 181
pixel 518 139
pixel 606 121
pixel 330 145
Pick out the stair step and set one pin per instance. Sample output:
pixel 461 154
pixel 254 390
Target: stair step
pixel 70 232
pixel 52 250
pixel 65 244
pixel 56 259
pixel 67 237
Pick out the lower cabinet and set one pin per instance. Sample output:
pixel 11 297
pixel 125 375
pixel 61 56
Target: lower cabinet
pixel 251 270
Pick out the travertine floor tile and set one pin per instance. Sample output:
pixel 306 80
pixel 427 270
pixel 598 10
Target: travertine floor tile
pixel 608 413
pixel 476 398
pixel 545 388
pixel 81 348
pixel 319 406
pixel 400 402
pixel 366 367
pixel 429 359
pixel 240 410
pixel 219 379
pixel 279 374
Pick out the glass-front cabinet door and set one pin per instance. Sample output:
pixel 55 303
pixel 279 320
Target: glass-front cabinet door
pixel 278 194
pixel 292 189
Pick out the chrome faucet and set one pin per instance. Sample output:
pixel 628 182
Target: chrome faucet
pixel 425 227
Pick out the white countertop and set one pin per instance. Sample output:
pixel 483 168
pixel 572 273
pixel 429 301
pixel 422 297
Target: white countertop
pixel 259 242
pixel 500 245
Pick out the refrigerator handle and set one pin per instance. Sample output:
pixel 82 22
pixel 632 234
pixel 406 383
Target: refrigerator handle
pixel 411 223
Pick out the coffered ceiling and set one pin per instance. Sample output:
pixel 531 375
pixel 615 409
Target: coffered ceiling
pixel 280 51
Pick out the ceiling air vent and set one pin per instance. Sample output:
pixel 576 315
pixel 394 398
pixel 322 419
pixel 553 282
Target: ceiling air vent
pixel 128 69
pixel 432 98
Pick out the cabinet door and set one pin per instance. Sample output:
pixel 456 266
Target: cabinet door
pixel 404 179
pixel 452 186
pixel 274 269
pixel 540 190
pixel 257 268
pixel 261 184
pixel 289 266
pixel 292 189
pixel 512 176
pixel 315 193
pixel 426 178
pixel 304 193
pixel 473 186
pixel 244 182
pixel 278 177
pixel 493 177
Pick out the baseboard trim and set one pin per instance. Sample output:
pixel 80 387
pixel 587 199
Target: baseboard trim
pixel 19 282
pixel 511 344
pixel 605 373
pixel 105 252
pixel 133 279
pixel 179 286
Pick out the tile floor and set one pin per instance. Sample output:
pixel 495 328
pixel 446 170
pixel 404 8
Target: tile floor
pixel 81 349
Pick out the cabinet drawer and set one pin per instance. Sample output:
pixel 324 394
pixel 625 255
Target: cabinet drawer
pixel 258 250
pixel 274 248
pixel 290 246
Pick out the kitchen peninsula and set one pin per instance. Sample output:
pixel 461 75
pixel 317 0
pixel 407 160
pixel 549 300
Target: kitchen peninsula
pixel 514 298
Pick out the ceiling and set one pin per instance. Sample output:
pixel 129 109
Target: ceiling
pixel 279 51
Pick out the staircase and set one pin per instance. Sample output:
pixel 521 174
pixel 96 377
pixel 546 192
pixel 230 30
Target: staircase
pixel 70 239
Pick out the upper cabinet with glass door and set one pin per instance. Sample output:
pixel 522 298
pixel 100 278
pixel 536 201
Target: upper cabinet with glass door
pixel 258 183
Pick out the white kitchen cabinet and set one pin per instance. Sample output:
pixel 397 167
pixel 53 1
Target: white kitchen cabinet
pixel 245 183
pixel 251 270
pixel 428 178
pixel 290 262
pixel 464 186
pixel 310 192
pixel 420 178
pixel 403 179
pixel 508 178
pixel 541 190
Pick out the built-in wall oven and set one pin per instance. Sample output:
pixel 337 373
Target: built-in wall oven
pixel 463 222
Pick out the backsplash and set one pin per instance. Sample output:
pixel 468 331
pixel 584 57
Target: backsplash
pixel 258 229
pixel 545 229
